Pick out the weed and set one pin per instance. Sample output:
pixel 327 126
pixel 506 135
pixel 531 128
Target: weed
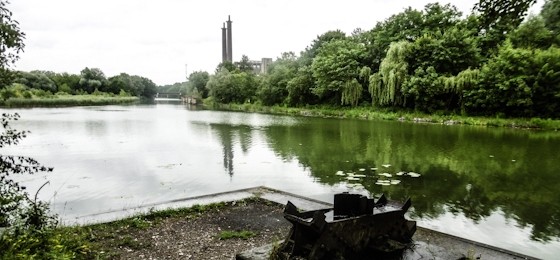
pixel 67 100
pixel 130 242
pixel 388 114
pixel 243 234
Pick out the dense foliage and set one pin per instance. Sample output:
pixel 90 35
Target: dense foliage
pixel 195 85
pixel 89 81
pixel 493 62
pixel 11 43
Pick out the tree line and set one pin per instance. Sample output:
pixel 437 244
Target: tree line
pixel 492 62
pixel 89 81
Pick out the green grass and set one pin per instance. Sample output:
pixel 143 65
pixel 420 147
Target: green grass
pixel 370 113
pixel 67 100
pixel 243 234
pixel 96 241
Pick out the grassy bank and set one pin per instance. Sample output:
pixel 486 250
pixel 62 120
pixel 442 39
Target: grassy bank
pixel 203 231
pixel 99 241
pixel 67 100
pixel 407 116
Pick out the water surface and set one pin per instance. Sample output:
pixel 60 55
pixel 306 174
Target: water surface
pixel 496 186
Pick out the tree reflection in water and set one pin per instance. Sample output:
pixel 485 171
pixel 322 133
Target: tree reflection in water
pixel 468 170
pixel 227 135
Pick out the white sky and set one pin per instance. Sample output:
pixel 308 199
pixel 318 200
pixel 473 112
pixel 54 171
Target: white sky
pixel 161 39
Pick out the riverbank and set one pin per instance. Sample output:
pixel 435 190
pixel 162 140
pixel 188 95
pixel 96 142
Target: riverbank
pixel 67 100
pixel 212 231
pixel 406 116
pixel 221 230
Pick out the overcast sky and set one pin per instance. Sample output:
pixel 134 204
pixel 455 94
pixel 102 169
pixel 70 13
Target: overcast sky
pixel 162 40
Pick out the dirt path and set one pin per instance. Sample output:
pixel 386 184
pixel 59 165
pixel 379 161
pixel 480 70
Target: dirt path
pixel 197 237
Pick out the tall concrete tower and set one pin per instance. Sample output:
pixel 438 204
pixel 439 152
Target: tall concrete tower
pixel 224 43
pixel 229 41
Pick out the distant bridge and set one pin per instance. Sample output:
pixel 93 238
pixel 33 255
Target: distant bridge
pixel 169 95
pixel 177 96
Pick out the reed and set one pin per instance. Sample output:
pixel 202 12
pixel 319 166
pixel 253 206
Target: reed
pixel 67 100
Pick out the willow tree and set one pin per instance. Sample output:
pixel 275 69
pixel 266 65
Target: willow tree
pixel 351 92
pixel 385 85
pixel 465 81
pixel 365 73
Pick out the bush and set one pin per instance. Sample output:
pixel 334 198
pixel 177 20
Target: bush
pixel 27 228
pixel 41 93
pixel 7 93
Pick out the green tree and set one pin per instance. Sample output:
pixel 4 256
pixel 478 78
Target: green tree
pixel 91 79
pixel 232 87
pixel 408 26
pixel 134 85
pixel 142 87
pixel 36 80
pixel 225 65
pixel 403 26
pixel 385 85
pixel 497 18
pixel 310 52
pixel 449 52
pixel 119 82
pixel 336 64
pixel 245 64
pixel 180 87
pixel 274 85
pixel 300 86
pixel 518 82
pixel 197 81
pixel 550 12
pixel 427 90
pixel 532 34
pixel 439 18
pixel 11 43
pixel 351 92
pixel 64 81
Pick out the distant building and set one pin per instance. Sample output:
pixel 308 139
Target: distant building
pixel 261 66
pixel 265 64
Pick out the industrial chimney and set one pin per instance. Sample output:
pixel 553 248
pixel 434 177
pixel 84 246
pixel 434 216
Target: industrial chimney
pixel 224 43
pixel 229 41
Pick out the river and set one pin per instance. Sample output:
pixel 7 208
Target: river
pixel 492 185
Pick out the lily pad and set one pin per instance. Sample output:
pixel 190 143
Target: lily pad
pixel 386 174
pixel 340 173
pixel 395 182
pixel 386 165
pixel 400 173
pixel 414 174
pixel 362 169
pixel 352 178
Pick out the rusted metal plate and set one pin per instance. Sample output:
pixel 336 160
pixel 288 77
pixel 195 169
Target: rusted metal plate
pixel 355 228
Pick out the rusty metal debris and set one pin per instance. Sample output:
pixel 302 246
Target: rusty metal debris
pixel 355 228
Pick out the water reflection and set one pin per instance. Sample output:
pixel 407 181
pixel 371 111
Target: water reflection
pixel 480 183
pixel 465 170
pixel 226 134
